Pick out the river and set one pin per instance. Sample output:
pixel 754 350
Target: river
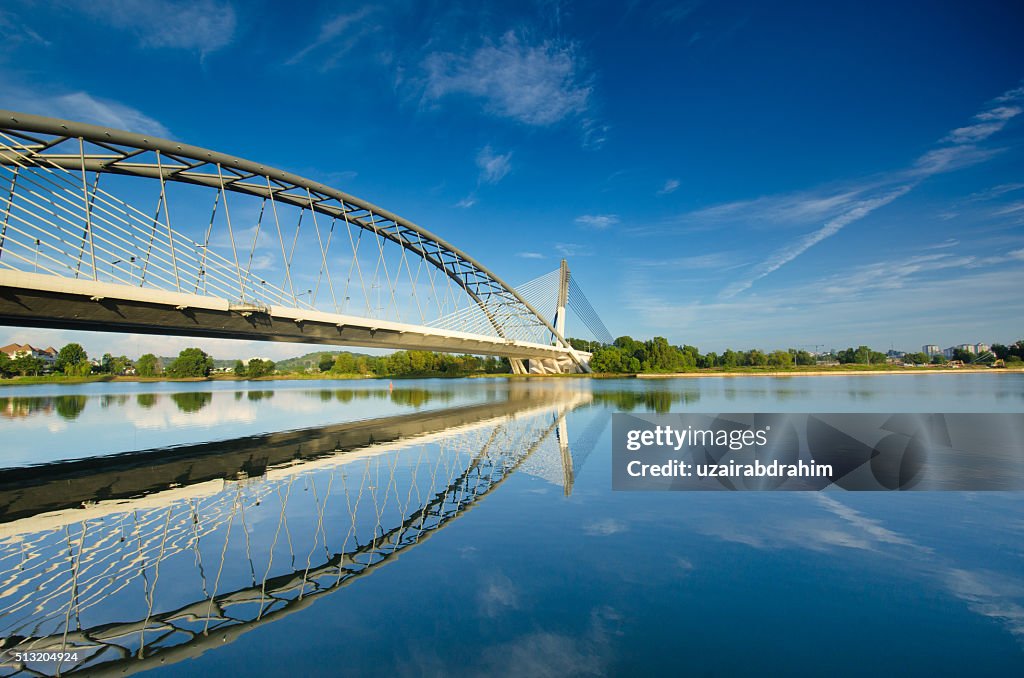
pixel 466 527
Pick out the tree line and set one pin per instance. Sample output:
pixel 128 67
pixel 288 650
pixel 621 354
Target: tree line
pixel 73 361
pixel 628 355
pixel 624 356
pixel 412 363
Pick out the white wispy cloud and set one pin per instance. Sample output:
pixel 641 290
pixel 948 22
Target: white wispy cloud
pixel 986 124
pixel 466 202
pixel 535 83
pixel 18 32
pixel 530 255
pixel 794 250
pixel 858 306
pixel 597 222
pixel 571 249
pixel 858 204
pixel 721 261
pixel 199 25
pixel 798 208
pixel 994 192
pixel 84 107
pixel 670 186
pixel 1012 208
pixel 337 37
pixel 493 166
pixel 950 242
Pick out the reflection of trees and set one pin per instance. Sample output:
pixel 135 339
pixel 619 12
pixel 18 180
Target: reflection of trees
pixel 108 400
pixel 146 400
pixel 408 397
pixel 260 395
pixel 413 397
pixel 70 406
pixel 657 401
pixel 347 395
pixel 192 401
pixel 14 408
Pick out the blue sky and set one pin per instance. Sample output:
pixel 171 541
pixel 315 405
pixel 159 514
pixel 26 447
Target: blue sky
pixel 723 174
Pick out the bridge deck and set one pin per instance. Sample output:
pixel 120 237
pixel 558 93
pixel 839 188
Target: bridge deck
pixel 35 300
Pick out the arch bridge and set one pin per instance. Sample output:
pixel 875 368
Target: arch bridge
pixel 108 230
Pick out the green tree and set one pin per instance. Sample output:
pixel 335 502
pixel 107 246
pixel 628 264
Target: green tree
pixel 939 360
pixel 780 359
pixel 120 364
pixel 6 369
pixel 26 365
pixel 802 357
pixel 961 354
pixel 82 369
pixel 258 367
pixel 344 363
pixel 191 362
pixel 239 368
pixel 608 359
pixel 326 362
pixel 70 354
pixel 756 358
pixel 148 365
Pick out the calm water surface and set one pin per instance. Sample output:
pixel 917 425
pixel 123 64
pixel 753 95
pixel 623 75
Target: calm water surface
pixel 468 527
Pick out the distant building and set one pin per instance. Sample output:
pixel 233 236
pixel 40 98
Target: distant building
pixel 48 355
pixel 982 348
pixel 931 350
pixel 967 347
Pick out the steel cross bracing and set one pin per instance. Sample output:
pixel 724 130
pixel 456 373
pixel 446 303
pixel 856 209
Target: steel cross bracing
pixel 63 213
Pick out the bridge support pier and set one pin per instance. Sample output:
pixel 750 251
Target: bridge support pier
pixel 560 365
pixel 517 366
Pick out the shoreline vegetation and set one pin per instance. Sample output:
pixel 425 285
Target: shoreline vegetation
pixel 624 359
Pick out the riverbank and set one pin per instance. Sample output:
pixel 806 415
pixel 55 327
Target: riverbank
pixel 106 378
pixel 829 373
pixel 697 374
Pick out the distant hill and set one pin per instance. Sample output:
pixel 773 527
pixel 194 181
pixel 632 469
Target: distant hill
pixel 302 363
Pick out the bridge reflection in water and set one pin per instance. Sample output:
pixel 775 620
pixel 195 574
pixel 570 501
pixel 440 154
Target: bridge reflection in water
pixel 147 558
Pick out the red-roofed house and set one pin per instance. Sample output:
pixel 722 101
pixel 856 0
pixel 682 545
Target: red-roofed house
pixel 14 351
